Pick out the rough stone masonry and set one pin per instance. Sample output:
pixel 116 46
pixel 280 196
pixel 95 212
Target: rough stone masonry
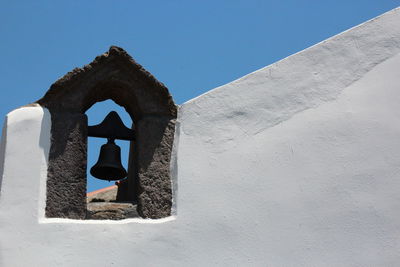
pixel 116 76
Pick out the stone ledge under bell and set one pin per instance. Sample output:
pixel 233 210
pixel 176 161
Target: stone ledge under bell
pixel 111 210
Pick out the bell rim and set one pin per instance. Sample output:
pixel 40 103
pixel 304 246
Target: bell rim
pixel 109 178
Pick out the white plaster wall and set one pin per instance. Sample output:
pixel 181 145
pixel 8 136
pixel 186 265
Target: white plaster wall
pixel 297 164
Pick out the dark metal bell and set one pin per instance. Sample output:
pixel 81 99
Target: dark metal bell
pixel 109 166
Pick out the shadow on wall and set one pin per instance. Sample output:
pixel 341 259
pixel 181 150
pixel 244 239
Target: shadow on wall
pixel 44 144
pixel 174 169
pixel 44 141
pixel 2 154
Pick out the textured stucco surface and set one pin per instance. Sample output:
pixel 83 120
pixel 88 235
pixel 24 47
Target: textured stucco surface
pixel 296 164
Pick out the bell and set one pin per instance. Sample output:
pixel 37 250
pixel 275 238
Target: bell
pixel 109 166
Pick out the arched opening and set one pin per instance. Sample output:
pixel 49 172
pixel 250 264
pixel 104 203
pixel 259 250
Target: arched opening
pixel 109 199
pixel 96 114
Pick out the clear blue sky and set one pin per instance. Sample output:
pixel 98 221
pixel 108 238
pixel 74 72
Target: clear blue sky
pixel 191 46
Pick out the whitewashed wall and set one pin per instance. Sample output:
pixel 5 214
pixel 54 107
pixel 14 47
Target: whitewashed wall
pixel 297 164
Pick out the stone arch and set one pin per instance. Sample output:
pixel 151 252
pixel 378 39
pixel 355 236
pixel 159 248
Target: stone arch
pixel 116 76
